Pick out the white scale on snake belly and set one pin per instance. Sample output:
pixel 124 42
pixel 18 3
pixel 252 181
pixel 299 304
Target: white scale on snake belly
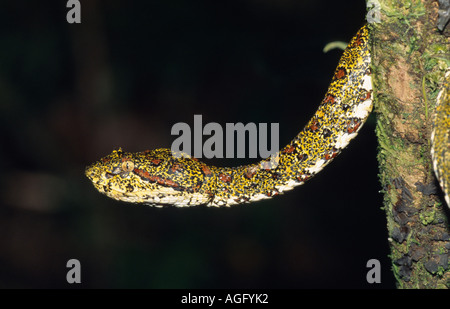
pixel 363 110
pixel 289 186
pixel 171 196
pixel 317 167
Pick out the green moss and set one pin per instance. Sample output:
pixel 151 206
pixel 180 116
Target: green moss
pixel 427 217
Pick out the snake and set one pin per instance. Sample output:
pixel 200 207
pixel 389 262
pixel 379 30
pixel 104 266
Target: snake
pixel 440 137
pixel 159 177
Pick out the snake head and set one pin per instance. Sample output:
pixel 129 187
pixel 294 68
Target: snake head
pixel 153 177
pixel 102 171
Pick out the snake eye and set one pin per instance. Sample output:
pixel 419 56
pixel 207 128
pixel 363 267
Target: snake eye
pixel 127 166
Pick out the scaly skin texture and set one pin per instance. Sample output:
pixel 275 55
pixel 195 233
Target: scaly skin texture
pixel 440 137
pixel 156 177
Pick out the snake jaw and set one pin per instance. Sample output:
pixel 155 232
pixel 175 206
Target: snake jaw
pixel 94 175
pixel 107 172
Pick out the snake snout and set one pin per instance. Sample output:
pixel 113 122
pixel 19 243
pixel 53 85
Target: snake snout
pixel 89 172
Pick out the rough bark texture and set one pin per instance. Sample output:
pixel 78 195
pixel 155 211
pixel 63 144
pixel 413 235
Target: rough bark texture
pixel 409 59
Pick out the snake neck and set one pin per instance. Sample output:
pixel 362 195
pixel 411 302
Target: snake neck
pixel 340 116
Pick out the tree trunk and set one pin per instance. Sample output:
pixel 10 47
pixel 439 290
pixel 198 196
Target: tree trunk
pixel 409 57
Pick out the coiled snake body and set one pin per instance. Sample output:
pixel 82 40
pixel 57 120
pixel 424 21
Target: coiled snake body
pixel 440 137
pixel 156 177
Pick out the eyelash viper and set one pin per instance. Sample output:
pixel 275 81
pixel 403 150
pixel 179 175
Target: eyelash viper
pixel 440 137
pixel 155 177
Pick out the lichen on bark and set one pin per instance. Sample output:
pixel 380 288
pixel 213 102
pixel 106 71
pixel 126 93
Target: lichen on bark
pixel 409 57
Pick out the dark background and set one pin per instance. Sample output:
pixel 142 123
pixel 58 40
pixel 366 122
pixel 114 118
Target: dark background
pixel 71 93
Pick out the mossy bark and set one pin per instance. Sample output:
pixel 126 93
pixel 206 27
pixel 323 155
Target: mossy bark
pixel 409 59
